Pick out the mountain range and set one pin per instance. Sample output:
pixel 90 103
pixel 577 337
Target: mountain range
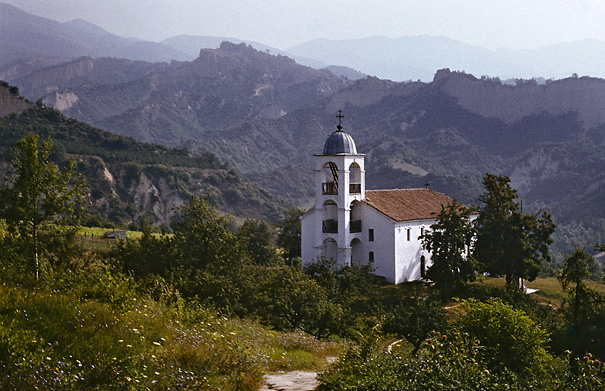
pixel 266 115
pixel 398 59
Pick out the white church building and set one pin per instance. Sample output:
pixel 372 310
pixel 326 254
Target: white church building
pixel 352 225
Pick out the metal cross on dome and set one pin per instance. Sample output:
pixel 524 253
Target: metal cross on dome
pixel 340 117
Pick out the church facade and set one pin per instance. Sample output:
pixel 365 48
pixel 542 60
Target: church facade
pixel 352 225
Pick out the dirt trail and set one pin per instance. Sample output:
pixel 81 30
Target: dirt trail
pixel 293 381
pixel 290 381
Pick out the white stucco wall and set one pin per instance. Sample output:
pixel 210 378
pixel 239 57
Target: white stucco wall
pixel 409 252
pixel 383 245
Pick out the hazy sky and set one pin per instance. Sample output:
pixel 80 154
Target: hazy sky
pixel 492 24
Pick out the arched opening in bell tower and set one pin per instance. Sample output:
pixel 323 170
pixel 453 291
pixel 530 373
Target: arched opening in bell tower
pixel 354 178
pixel 330 218
pixel 330 179
pixel 355 217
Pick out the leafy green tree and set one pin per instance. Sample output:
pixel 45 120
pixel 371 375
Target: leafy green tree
pixel 585 313
pixel 288 237
pixel 450 242
pixel 257 238
pixel 414 319
pixel 202 236
pixel 344 284
pixel 509 242
pixel 151 254
pixel 293 300
pixel 40 203
pixel 510 340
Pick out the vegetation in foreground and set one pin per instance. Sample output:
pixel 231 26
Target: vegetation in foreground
pixel 92 339
pixel 213 307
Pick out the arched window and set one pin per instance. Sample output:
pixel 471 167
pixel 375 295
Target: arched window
pixel 330 218
pixel 423 267
pixel 354 178
pixel 330 178
pixel 371 257
pixel 355 217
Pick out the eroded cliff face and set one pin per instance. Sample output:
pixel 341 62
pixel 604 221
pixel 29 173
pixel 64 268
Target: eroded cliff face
pixel 540 166
pixel 488 98
pixel 154 199
pixel 12 103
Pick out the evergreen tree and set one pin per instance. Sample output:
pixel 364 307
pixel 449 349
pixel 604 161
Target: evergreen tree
pixel 257 238
pixel 509 242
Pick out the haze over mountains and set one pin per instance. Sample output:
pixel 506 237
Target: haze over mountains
pixel 266 116
pixel 399 59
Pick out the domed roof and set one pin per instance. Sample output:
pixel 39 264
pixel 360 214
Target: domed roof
pixel 339 142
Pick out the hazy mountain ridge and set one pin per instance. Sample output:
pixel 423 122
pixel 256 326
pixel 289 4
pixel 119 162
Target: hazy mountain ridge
pixel 419 57
pixel 399 59
pixel 26 35
pixel 173 103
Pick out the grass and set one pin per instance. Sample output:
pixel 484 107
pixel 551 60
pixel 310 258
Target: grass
pixel 93 239
pixel 55 340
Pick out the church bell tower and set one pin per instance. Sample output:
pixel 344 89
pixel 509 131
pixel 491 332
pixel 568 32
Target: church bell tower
pixel 339 186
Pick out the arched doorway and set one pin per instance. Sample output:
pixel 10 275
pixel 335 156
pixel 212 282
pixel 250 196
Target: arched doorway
pixel 356 253
pixel 331 249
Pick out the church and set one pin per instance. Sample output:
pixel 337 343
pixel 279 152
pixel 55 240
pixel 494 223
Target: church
pixel 352 225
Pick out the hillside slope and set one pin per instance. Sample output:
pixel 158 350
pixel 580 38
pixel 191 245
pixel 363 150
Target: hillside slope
pixel 135 182
pixel 174 103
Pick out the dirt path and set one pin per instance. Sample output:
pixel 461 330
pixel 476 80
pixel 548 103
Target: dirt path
pixel 290 381
pixel 293 381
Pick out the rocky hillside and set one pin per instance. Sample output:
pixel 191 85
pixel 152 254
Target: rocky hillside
pixel 448 134
pixel 174 103
pixel 267 116
pixel 11 101
pixel 131 181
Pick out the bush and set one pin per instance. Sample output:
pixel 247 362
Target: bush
pixel 510 340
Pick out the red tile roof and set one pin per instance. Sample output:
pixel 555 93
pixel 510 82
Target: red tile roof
pixel 407 204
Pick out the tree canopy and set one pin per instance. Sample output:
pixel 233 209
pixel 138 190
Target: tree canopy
pixel 450 241
pixel 509 242
pixel 40 202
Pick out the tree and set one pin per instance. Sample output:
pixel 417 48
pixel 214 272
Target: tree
pixel 415 318
pixel 40 203
pixel 288 237
pixel 202 236
pixel 585 312
pixel 510 340
pixel 450 242
pixel 508 242
pixel 257 238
